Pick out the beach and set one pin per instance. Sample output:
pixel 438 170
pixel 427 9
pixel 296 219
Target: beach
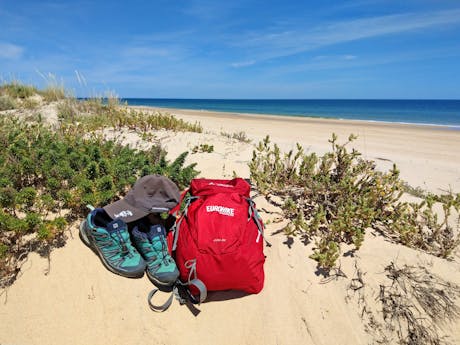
pixel 73 299
pixel 427 156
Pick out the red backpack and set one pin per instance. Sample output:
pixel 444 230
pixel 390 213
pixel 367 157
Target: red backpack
pixel 218 238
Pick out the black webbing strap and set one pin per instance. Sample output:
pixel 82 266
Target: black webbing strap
pixel 181 291
pixel 203 292
pixel 192 280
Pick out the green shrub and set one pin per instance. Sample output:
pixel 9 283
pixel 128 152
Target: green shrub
pixel 203 148
pixel 3 250
pixel 25 198
pixel 46 173
pixel 333 199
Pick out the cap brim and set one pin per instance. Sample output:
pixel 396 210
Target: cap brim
pixel 121 209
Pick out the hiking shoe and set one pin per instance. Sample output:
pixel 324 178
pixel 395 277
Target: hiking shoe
pixel 151 243
pixel 110 240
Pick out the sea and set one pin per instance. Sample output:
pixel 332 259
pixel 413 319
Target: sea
pixel 444 113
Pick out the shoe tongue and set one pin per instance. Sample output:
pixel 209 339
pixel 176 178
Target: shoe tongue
pixel 156 230
pixel 116 225
pixel 138 233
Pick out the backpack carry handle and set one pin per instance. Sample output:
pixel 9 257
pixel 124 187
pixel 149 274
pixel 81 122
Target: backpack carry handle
pixel 203 186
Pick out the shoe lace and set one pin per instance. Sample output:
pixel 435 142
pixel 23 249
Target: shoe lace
pixel 162 254
pixel 106 241
pixel 124 248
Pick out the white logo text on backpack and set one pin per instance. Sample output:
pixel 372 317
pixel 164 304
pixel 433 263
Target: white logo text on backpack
pixel 219 240
pixel 225 211
pixel 220 185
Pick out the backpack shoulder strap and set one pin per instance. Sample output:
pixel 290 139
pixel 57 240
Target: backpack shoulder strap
pixel 176 227
pixel 254 215
pixel 176 209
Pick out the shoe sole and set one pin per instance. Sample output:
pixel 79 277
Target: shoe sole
pixel 84 237
pixel 157 282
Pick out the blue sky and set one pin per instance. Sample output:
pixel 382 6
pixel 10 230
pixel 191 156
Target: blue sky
pixel 235 49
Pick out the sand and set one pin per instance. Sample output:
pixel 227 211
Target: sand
pixel 79 302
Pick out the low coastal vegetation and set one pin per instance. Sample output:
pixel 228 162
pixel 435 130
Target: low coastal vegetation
pixel 330 200
pixel 203 148
pixel 49 173
pixel 94 114
pixel 333 199
pixel 16 95
pixel 239 136
pixel 411 306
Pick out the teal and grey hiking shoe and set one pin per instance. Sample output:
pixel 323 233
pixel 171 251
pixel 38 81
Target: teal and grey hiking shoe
pixel 110 240
pixel 161 268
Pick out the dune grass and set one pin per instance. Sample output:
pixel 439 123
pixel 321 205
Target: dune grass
pixel 99 113
pixel 15 89
pixel 7 102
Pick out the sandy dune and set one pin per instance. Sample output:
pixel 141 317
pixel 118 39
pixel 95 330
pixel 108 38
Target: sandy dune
pixel 80 302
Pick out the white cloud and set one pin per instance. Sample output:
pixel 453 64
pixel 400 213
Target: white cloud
pixel 10 51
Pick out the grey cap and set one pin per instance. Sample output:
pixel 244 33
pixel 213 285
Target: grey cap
pixel 150 194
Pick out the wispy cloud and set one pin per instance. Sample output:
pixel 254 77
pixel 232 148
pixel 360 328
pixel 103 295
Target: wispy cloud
pixel 350 62
pixel 10 51
pixel 384 25
pixel 265 46
pixel 346 57
pixel 243 64
pixel 232 49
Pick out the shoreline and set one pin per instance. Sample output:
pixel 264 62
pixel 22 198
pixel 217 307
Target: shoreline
pixel 294 118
